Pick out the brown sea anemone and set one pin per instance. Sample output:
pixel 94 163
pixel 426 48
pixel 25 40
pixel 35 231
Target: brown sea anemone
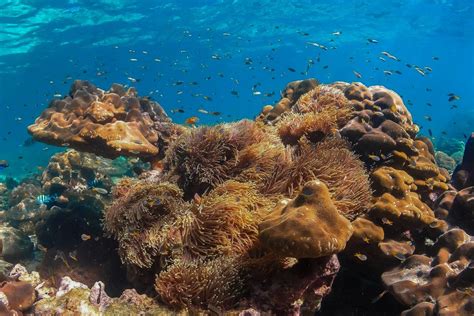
pixel 320 97
pixel 225 220
pixel 331 162
pixel 200 283
pixel 145 221
pixel 204 157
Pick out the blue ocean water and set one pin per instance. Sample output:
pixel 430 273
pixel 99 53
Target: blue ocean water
pixel 226 50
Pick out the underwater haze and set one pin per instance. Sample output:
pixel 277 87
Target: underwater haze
pixel 222 49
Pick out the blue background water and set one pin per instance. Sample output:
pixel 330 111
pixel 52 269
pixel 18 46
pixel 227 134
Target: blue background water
pixel 47 44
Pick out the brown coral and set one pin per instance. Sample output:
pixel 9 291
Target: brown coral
pixel 308 226
pixel 109 123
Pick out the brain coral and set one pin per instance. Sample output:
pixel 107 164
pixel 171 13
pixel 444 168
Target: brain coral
pixel 109 123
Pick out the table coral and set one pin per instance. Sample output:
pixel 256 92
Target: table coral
pixel 109 123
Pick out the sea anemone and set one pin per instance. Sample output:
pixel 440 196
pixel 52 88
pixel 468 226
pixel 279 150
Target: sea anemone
pixel 331 162
pixel 145 221
pixel 225 220
pixel 200 283
pixel 320 97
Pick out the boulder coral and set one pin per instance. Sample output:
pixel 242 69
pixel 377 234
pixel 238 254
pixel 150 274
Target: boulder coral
pixel 309 226
pixel 109 123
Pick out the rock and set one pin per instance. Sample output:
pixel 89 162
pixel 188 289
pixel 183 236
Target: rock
pixel 15 244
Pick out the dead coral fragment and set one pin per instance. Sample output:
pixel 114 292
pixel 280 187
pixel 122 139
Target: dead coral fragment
pixel 200 283
pixel 308 226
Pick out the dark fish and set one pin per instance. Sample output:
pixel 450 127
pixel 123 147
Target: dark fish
pixel 453 97
pixel 430 132
pixel 215 113
pixel 373 41
pixel 454 106
pixel 291 69
pixel 428 118
pixel 234 92
pixel 207 98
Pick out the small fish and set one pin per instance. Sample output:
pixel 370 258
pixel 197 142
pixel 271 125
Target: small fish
pixel 420 71
pixel 178 83
pixel 386 221
pixel 197 199
pixel 429 104
pixel 132 79
pixel 390 56
pixel 133 59
pixel 435 58
pixel 360 256
pixel 46 199
pixel 291 69
pixel 256 93
pixel 215 113
pixel 378 297
pixel 207 98
pixel 191 120
pixel 374 157
pixel 387 73
pixel 430 132
pixel 337 33
pixel 373 41
pixel 382 59
pixel 177 111
pixel 317 45
pixel 358 75
pixel 234 92
pixel 454 106
pixel 428 118
pixel 203 111
pixel 428 69
pixel 453 97
pixel 101 191
pixel 85 237
pixel 57 95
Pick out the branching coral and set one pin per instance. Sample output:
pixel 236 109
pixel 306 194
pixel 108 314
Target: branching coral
pixel 200 283
pixel 331 162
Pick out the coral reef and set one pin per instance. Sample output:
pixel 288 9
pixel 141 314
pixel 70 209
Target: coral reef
pixel 258 216
pixel 109 123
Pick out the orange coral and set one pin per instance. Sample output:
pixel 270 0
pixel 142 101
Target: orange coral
pixel 109 123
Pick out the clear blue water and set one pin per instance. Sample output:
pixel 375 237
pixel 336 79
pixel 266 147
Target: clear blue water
pixel 47 44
